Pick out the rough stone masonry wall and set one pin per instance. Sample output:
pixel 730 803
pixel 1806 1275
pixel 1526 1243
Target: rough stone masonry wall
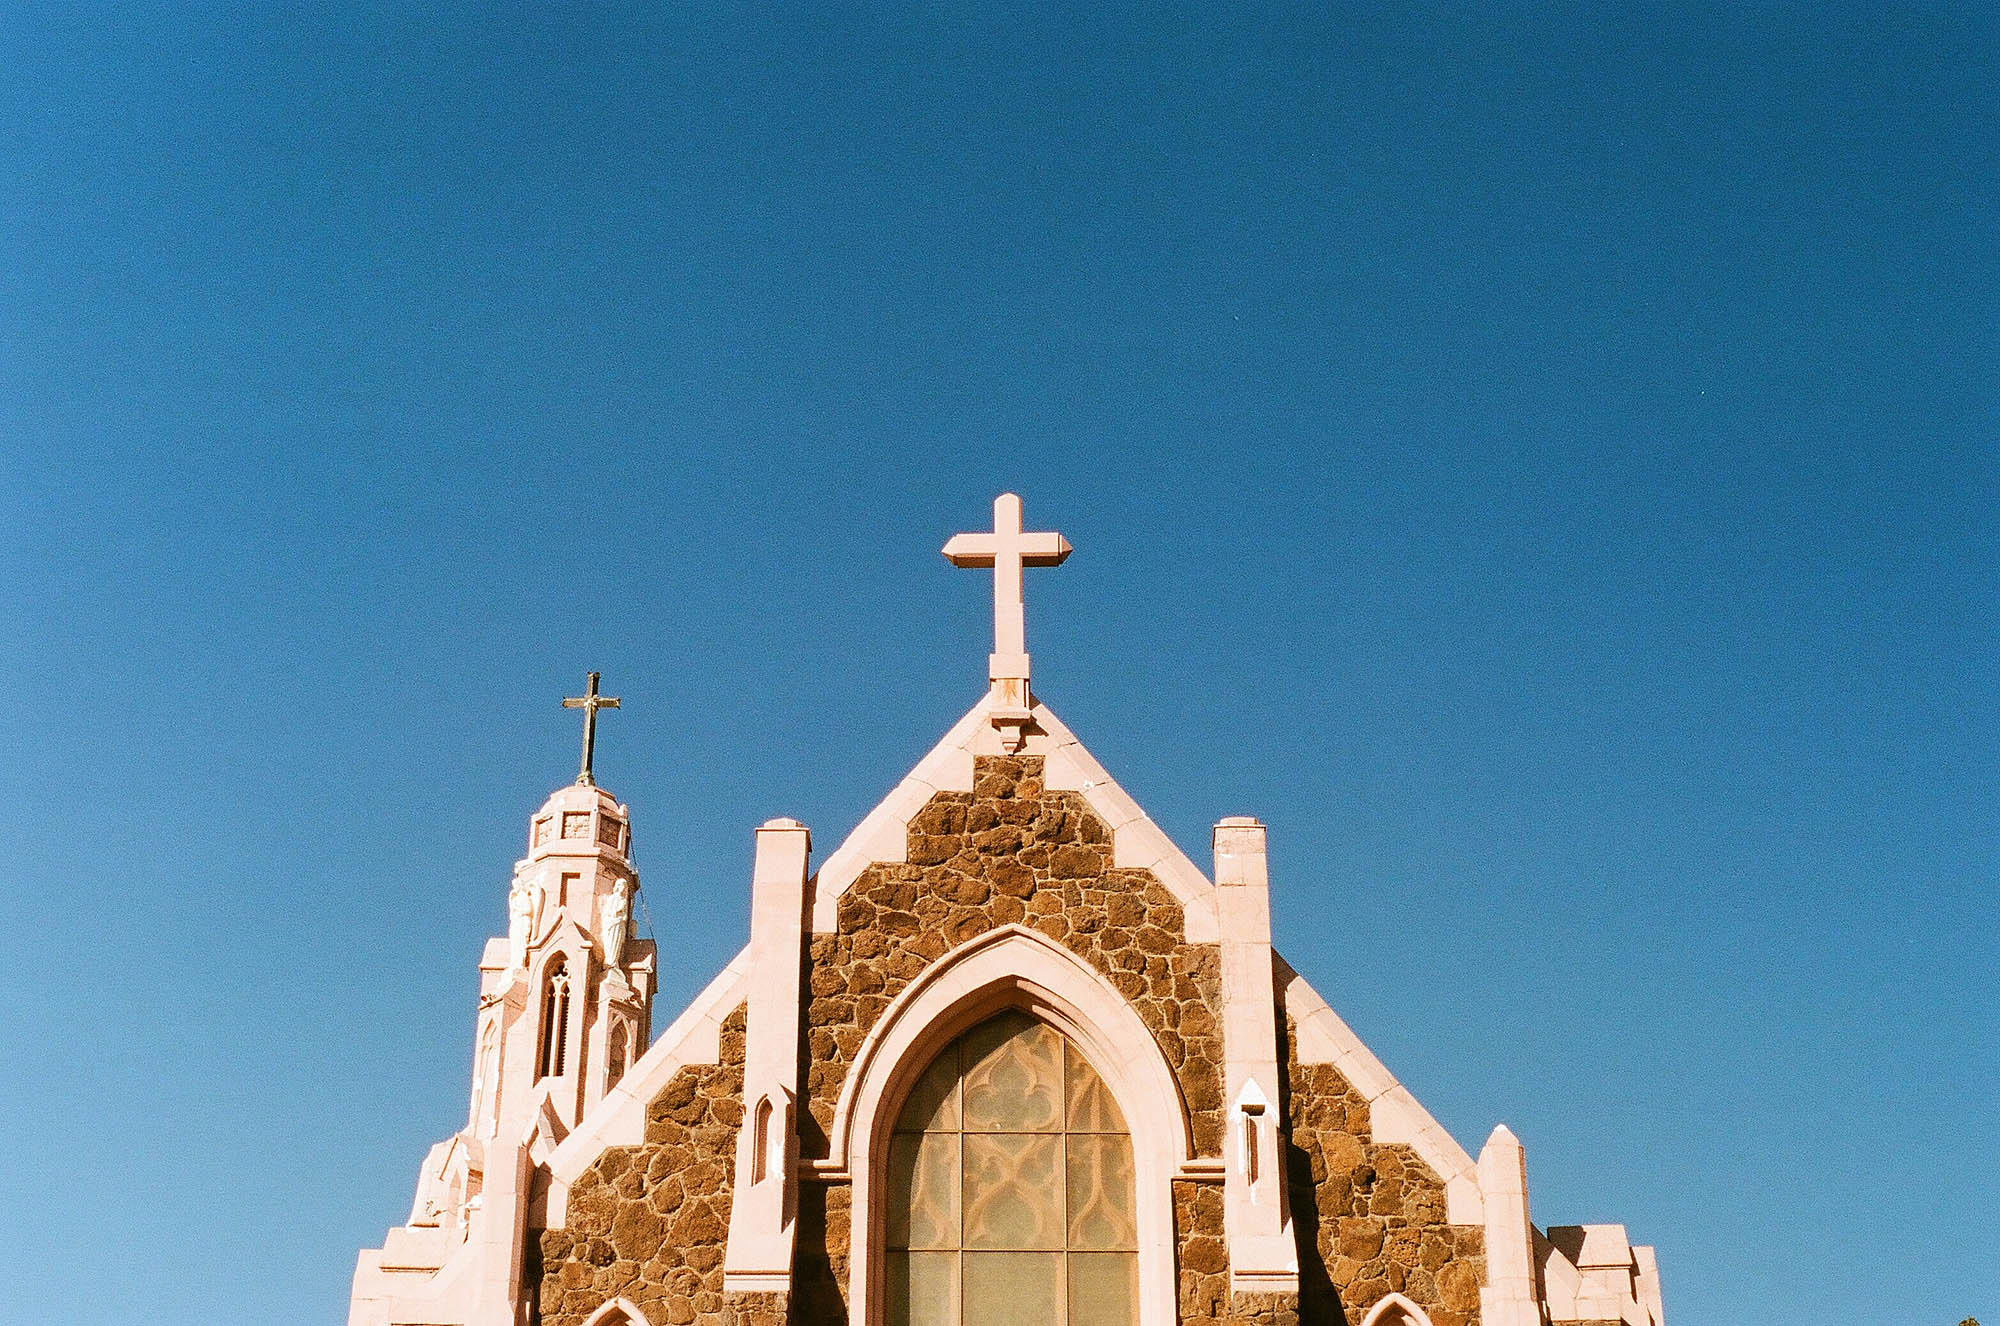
pixel 650 1222
pixel 1009 851
pixel 1374 1213
pixel 1204 1267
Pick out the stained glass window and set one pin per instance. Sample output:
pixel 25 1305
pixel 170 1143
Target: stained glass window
pixel 1010 1194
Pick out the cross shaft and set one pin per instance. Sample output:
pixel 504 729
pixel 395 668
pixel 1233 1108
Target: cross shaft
pixel 1006 550
pixel 590 702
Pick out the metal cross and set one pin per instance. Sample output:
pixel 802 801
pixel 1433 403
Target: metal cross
pixel 590 702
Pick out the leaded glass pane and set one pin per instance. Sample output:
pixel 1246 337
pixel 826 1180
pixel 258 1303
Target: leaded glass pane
pixel 1100 1192
pixel 933 1102
pixel 1012 1288
pixel 923 1190
pixel 1013 1190
pixel 1091 1109
pixel 1013 1077
pixel 920 1288
pixel 996 1217
pixel 1103 1288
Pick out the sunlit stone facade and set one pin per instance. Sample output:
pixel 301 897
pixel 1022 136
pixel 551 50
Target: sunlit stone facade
pixel 1005 1057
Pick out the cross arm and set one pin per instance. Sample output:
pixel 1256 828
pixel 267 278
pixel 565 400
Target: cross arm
pixel 1044 549
pixel 971 549
pixel 979 550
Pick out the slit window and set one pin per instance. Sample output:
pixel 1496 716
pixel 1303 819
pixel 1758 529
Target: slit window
pixel 555 1022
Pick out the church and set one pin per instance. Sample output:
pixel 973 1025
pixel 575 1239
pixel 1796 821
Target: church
pixel 1005 1056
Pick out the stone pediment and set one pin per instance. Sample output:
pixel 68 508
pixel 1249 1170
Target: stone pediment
pixel 884 834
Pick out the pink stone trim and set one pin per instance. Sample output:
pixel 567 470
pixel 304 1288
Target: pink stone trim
pixel 1013 967
pixel 1395 1310
pixel 620 1118
pixel 1136 842
pixel 1394 1114
pixel 618 1312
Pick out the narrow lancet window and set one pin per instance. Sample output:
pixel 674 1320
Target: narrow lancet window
pixel 555 1022
pixel 760 1158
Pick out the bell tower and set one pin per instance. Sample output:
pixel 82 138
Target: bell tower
pixel 566 998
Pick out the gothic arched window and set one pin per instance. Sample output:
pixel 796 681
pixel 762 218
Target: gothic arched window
pixel 555 1021
pixel 1010 1192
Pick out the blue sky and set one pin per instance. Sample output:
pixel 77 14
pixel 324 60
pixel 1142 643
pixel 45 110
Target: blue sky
pixel 1541 462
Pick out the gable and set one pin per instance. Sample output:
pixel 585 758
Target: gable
pixel 883 836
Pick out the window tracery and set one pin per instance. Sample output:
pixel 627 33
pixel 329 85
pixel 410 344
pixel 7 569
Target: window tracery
pixel 1010 1188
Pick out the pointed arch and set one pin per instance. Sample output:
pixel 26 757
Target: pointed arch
pixel 618 1312
pixel 1012 967
pixel 1395 1310
pixel 550 1055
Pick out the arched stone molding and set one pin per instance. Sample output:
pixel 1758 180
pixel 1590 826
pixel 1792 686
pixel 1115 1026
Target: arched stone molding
pixel 1395 1310
pixel 1013 967
pixel 618 1312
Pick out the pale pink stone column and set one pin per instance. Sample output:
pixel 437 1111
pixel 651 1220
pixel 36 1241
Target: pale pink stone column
pixel 500 1228
pixel 761 1213
pixel 1609 1273
pixel 1509 1298
pixel 1263 1256
pixel 1647 1290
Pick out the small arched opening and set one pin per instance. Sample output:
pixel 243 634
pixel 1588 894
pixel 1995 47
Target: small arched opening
pixel 555 1021
pixel 618 1312
pixel 1395 1310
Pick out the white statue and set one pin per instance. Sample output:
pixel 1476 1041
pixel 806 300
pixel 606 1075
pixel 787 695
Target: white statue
pixel 617 921
pixel 520 918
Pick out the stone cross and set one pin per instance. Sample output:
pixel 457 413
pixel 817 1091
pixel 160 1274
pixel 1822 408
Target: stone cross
pixel 1007 549
pixel 590 702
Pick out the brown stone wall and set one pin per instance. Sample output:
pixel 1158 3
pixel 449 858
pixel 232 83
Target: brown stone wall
pixel 1007 852
pixel 820 1258
pixel 1204 1267
pixel 1011 852
pixel 1264 1309
pixel 1375 1214
pixel 757 1309
pixel 650 1222
pixel 1204 1257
